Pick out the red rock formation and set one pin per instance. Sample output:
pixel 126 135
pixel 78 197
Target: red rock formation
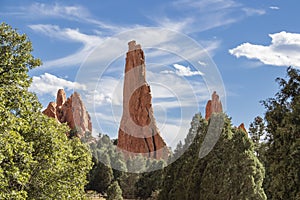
pixel 138 132
pixel 71 111
pixel 213 106
pixel 50 111
pixel 242 127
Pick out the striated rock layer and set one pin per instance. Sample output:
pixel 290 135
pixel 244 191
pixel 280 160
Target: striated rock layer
pixel 71 111
pixel 138 132
pixel 213 106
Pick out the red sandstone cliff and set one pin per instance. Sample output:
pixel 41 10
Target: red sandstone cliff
pixel 138 132
pixel 71 111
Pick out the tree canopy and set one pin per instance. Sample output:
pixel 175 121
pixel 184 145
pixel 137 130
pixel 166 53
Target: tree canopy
pixel 37 160
pixel 283 145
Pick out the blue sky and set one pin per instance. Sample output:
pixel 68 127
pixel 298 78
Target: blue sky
pixel 249 43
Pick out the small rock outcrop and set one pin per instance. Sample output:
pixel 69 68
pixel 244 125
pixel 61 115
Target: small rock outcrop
pixel 71 111
pixel 138 132
pixel 213 106
pixel 242 127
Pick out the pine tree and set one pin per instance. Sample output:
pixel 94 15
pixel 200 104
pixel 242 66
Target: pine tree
pixel 100 177
pixel 258 136
pixel 150 182
pixel 283 146
pixel 175 175
pixel 229 171
pixel 114 191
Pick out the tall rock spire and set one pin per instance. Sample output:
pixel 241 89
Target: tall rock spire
pixel 138 132
pixel 213 106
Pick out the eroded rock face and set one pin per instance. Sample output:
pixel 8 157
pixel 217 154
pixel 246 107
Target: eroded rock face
pixel 50 111
pixel 138 132
pixel 71 111
pixel 213 106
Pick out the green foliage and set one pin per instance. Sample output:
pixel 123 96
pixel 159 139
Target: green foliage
pixel 15 159
pixel 104 156
pixel 175 175
pixel 258 136
pixel 100 177
pixel 229 171
pixel 283 146
pixel 149 182
pixel 15 58
pixel 37 160
pixel 114 191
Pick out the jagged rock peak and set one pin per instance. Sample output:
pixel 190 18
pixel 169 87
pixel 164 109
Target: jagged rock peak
pixel 71 111
pixel 50 111
pixel 133 46
pixel 61 97
pixel 138 132
pixel 242 127
pixel 213 106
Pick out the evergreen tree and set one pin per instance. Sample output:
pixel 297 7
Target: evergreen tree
pixel 175 175
pixel 258 135
pixel 114 191
pixel 283 146
pixel 100 177
pixel 229 171
pixel 37 160
pixel 150 182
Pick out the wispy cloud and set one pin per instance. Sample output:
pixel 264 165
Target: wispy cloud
pixel 202 63
pixel 49 84
pixel 72 13
pixel 89 42
pixel 283 51
pixel 254 11
pixel 181 70
pixel 178 25
pixel 274 7
pixel 203 15
pixel 57 10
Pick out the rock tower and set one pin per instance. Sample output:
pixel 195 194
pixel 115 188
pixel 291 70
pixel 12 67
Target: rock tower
pixel 138 132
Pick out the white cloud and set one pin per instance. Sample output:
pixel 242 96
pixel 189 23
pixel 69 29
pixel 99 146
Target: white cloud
pixel 202 63
pixel 181 70
pixel 107 91
pixel 49 84
pixel 274 7
pixel 283 50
